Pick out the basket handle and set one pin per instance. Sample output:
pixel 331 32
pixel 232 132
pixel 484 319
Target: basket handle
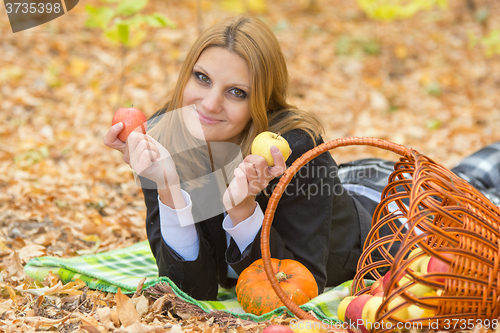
pixel 278 192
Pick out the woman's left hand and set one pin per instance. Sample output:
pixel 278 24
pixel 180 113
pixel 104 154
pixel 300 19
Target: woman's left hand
pixel 251 177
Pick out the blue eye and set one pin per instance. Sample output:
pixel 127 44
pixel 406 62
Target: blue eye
pixel 238 93
pixel 202 77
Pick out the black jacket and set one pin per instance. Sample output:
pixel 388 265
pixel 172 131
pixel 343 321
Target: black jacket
pixel 316 222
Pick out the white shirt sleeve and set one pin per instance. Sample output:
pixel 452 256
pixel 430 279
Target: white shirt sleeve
pixel 244 233
pixel 182 239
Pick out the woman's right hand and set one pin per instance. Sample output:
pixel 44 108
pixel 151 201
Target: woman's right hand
pixel 147 157
pixel 111 139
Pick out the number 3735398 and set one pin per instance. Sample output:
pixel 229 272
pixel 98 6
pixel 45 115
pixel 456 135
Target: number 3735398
pixel 32 8
pixel 470 323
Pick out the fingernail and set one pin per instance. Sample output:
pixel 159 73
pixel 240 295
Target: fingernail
pixel 274 149
pixel 118 125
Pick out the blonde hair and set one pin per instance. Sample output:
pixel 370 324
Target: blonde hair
pixel 253 41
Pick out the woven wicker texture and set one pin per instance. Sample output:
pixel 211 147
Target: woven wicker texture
pixel 438 212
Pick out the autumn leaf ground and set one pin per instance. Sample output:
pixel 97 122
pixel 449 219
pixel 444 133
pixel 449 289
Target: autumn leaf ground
pixel 63 193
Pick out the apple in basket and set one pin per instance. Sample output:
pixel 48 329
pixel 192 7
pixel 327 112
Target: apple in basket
pixel 377 286
pixel 262 143
pixel 354 311
pixel 370 310
pixel 417 289
pixel 132 119
pixel 256 295
pixel 343 307
pixel 419 255
pixel 386 280
pixel 435 265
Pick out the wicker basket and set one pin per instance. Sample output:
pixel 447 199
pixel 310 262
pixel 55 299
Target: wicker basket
pixel 444 216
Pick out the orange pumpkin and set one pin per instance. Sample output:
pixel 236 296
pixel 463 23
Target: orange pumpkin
pixel 256 295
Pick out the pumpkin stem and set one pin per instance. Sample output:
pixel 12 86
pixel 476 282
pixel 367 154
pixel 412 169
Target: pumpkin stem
pixel 281 276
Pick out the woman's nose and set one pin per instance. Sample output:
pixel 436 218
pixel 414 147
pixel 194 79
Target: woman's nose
pixel 212 102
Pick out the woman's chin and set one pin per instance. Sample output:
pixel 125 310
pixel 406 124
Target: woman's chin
pixel 192 123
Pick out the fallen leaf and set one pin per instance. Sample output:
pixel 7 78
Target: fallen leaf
pixel 139 287
pixel 104 315
pixel 92 325
pixel 114 318
pixel 31 251
pixel 142 328
pixel 142 305
pixel 158 304
pixel 6 306
pixel 126 310
pixel 14 267
pixel 11 292
pixel 90 329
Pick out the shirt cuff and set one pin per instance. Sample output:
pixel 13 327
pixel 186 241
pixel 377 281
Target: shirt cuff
pixel 182 217
pixel 182 238
pixel 244 233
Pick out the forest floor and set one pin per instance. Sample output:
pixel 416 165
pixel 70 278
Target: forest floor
pixel 417 82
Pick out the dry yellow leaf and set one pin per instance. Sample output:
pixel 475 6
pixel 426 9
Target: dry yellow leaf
pixel 104 315
pixel 92 322
pixel 126 310
pixel 11 292
pixel 142 305
pixel 14 267
pixel 401 51
pixel 78 66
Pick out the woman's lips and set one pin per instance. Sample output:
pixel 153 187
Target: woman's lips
pixel 207 120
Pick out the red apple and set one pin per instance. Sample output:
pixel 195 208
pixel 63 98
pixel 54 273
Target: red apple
pixel 386 279
pixel 354 311
pixel 437 266
pixel 131 119
pixel 377 286
pixel 277 329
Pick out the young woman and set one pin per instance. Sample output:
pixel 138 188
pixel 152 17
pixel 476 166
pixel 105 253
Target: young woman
pixel 236 79
pixel 232 86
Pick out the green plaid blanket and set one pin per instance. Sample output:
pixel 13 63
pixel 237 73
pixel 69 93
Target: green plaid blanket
pixel 125 268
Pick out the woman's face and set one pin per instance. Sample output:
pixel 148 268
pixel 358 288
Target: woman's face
pixel 218 89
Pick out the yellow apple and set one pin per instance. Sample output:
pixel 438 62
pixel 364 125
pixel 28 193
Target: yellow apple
pixel 422 264
pixel 262 143
pixel 308 326
pixel 415 252
pixel 343 306
pixel 415 312
pixel 401 314
pixel 416 289
pixel 370 310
